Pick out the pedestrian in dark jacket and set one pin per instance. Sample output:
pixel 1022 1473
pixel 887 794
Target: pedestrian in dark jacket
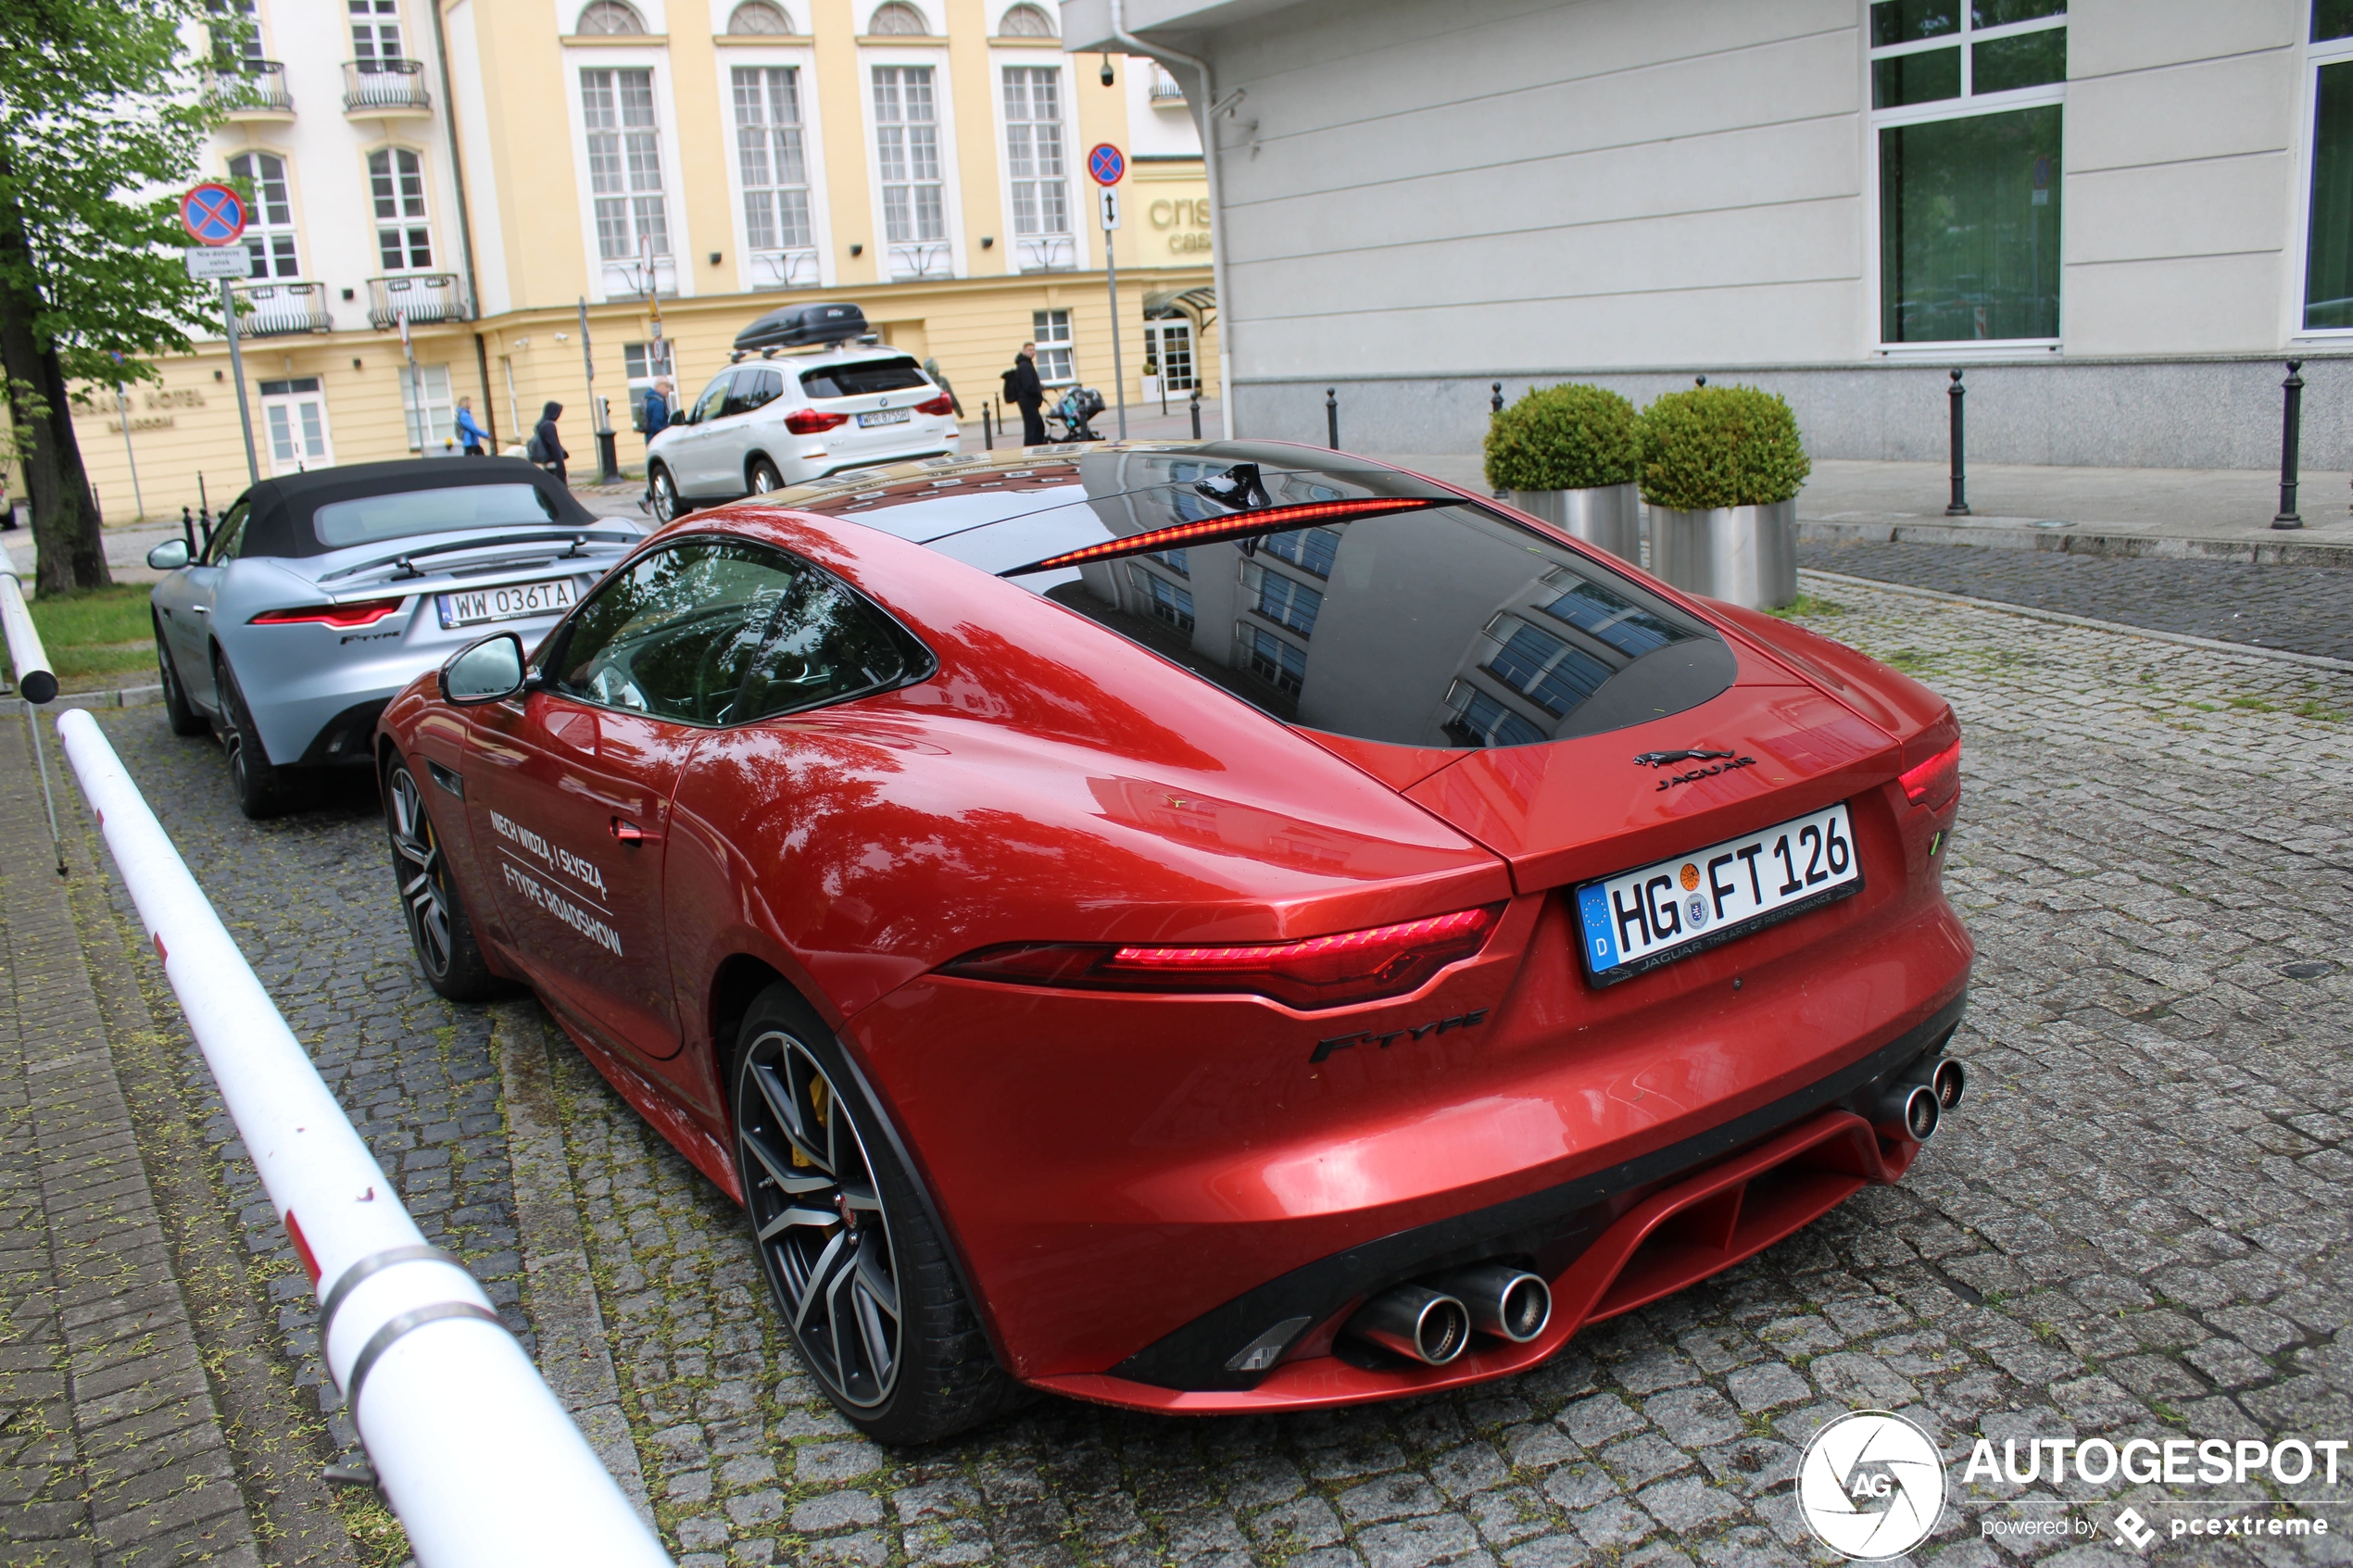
pixel 1024 388
pixel 546 449
pixel 655 412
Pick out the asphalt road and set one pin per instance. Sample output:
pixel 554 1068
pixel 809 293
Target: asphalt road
pixel 2139 1224
pixel 2304 610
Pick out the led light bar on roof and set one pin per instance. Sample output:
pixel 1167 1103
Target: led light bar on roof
pixel 1238 525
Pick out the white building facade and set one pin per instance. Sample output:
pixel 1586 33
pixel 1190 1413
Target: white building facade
pixel 2119 215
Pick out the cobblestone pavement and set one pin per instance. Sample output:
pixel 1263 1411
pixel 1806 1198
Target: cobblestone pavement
pixel 2302 609
pixel 2138 1224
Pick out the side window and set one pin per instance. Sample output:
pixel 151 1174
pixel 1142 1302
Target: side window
pixel 714 631
pixel 743 396
pixel 227 535
pixel 768 386
pixel 714 397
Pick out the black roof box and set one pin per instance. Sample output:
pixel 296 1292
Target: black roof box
pixel 799 326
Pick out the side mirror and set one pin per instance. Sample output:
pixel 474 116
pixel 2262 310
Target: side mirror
pixel 483 671
pixel 170 555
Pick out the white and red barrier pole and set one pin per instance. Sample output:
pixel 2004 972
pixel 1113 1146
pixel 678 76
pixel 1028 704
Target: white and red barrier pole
pixel 36 681
pixel 471 1448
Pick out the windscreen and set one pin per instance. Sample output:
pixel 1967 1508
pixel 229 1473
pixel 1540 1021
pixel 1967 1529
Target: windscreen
pixel 368 518
pixel 1435 622
pixel 865 376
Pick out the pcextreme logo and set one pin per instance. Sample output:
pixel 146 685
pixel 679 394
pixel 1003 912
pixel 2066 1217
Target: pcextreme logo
pixel 1871 1486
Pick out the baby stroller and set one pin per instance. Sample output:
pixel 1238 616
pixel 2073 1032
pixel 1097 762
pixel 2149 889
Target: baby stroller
pixel 1078 405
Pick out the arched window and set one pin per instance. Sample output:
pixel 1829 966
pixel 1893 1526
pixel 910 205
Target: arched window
pixel 396 181
pixel 895 20
pixel 610 16
pixel 269 234
pixel 758 18
pixel 1026 21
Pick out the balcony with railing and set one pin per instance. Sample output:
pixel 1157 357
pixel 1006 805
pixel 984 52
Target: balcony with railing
pixel 1167 89
pixel 253 91
pixel 386 88
pixel 420 296
pixel 926 259
pixel 793 267
pixel 1045 253
pixel 277 310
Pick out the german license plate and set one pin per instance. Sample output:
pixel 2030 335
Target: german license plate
pixel 885 417
pixel 516 601
pixel 1640 919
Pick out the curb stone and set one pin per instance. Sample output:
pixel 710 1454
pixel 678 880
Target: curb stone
pixel 2066 538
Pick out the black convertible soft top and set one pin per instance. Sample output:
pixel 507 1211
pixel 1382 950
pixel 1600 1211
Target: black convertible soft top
pixel 281 508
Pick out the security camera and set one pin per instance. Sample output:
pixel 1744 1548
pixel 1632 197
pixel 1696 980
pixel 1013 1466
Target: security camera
pixel 1107 77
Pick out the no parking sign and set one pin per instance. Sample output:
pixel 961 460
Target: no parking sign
pixel 213 215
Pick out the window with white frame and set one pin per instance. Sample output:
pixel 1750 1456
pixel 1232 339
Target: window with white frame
pixel 270 233
pixel 431 410
pixel 236 30
pixel 610 19
pixel 1026 21
pixel 1034 157
pixel 396 181
pixel 2328 239
pixel 758 18
pixel 906 145
pixel 1967 101
pixel 896 20
pixel 625 161
pixel 375 29
pixel 770 157
pixel 1050 331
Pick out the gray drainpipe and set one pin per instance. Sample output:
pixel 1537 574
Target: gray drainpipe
pixel 1216 204
pixel 465 224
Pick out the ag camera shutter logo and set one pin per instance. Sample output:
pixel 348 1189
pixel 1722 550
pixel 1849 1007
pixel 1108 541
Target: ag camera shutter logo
pixel 1871 1486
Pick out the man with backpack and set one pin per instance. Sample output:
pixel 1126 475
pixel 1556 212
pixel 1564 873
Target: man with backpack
pixel 1024 388
pixel 546 448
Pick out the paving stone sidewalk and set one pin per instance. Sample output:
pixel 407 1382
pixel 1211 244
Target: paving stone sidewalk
pixel 2301 608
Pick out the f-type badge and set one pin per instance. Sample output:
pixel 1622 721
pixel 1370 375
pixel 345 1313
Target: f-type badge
pixel 1718 762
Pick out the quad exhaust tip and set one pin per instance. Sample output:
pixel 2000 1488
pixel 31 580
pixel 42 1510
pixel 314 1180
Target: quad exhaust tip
pixel 1508 1302
pixel 1910 1111
pixel 1415 1320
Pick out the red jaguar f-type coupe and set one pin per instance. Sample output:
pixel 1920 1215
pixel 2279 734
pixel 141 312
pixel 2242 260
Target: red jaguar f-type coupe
pixel 1218 927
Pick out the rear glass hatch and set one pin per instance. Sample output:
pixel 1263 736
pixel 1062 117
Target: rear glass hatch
pixel 1390 611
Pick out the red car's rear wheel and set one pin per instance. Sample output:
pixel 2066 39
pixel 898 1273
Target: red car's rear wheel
pixel 862 1280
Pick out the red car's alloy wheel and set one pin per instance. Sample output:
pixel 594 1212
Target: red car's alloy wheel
pixel 416 852
pixel 818 1218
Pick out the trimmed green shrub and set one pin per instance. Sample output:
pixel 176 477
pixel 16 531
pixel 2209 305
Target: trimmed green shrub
pixel 1572 437
pixel 1720 446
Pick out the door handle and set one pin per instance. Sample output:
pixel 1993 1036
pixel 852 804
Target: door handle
pixel 630 833
pixel 200 609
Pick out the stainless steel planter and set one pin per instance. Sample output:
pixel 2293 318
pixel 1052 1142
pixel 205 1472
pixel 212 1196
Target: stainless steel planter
pixel 1610 516
pixel 1746 554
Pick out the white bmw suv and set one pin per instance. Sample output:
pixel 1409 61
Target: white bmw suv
pixel 770 422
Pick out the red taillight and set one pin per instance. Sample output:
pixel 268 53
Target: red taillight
pixel 360 612
pixel 1934 783
pixel 1313 972
pixel 808 421
pixel 943 403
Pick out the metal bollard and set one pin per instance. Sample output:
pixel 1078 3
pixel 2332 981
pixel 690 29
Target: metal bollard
pixel 2291 435
pixel 987 432
pixel 1699 380
pixel 1331 415
pixel 1495 404
pixel 1958 506
pixel 188 530
pixel 1197 413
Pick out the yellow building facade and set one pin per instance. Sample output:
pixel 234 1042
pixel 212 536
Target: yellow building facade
pixel 442 198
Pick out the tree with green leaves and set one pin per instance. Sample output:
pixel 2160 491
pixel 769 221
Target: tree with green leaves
pixel 103 116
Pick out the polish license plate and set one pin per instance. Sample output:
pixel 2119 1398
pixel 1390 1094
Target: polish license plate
pixel 885 417
pixel 1640 919
pixel 516 601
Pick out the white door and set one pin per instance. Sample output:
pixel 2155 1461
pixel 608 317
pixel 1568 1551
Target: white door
pixel 1169 345
pixel 294 425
